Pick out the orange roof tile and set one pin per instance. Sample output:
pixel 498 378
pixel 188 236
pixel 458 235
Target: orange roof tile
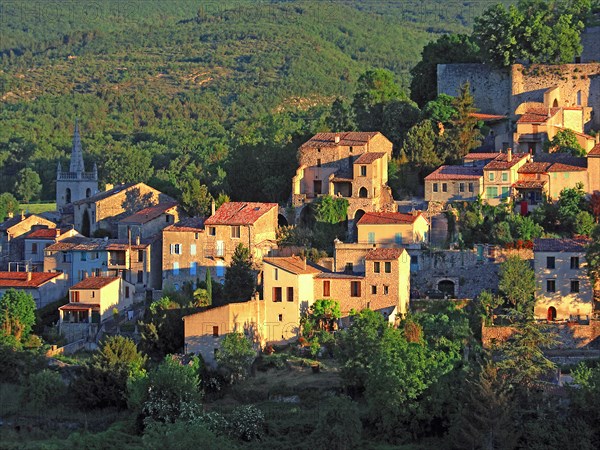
pixel 294 264
pixel 386 218
pixel 148 214
pixel 369 157
pixel 79 306
pixel 455 173
pixel 347 139
pixel 239 213
pixel 484 117
pixel 480 156
pixel 94 283
pixel 18 280
pixel 537 114
pixel 360 303
pixel 527 184
pixel 595 151
pixel 561 245
pixel 384 254
pixel 44 233
pixel 501 161
pixel 188 225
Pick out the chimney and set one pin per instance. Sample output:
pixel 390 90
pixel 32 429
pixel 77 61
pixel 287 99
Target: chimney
pixel 304 261
pixel 57 230
pixel 509 154
pixel 598 137
pixel 212 208
pixel 137 240
pixel 22 214
pixel 28 276
pixel 337 138
pixel 109 186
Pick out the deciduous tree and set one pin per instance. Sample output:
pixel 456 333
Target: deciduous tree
pixel 28 185
pixel 517 284
pixel 240 281
pixel 235 356
pixel 17 313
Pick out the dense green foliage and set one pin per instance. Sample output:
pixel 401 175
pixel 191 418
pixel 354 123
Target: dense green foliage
pixel 17 314
pixel 240 280
pixel 517 284
pixel 565 141
pixel 235 356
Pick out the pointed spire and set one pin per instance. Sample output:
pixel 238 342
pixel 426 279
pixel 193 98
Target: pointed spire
pixel 58 170
pixel 77 153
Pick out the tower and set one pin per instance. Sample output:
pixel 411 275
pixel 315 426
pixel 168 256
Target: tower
pixel 75 184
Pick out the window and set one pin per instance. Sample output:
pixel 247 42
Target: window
pixel 140 256
pixel 175 249
pixel 355 289
pixel 140 278
pixel 193 268
pixel 435 187
pixel 363 171
pixel 351 149
pixel 550 262
pixel 326 288
pixel 491 176
pixel 167 218
pixel 126 291
pixel 290 294
pixel 75 296
pixel 349 268
pixel 374 290
pixel 175 268
pixel 65 257
pixel 84 256
pixel 386 290
pixel 318 163
pixel 505 192
pixel 371 237
pixel 414 259
pixel 504 176
pixel 398 238
pixel 574 262
pixel 196 235
pixel 444 187
pixel 220 269
pixel 34 248
pixel 276 294
pixel 280 317
pixel 550 286
pixel 461 187
pixel 235 232
pixel 574 285
pixel 276 274
pixel 215 334
pixel 388 267
pixel 471 187
pixel 93 294
pixel 212 231
pixel 491 192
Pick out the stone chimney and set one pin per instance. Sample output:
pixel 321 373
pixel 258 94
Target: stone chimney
pixel 598 138
pixel 28 276
pixel 337 138
pixel 304 262
pixel 57 231
pixel 137 240
pixel 509 154
pixel 212 208
pixel 22 214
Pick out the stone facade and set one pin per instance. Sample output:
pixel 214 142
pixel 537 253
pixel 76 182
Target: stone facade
pixel 45 288
pixel 149 221
pixel 12 246
pixel 569 335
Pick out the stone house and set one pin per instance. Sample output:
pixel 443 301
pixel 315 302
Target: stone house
pixel 593 164
pixel 103 211
pixel 149 221
pixel 454 183
pixel 92 301
pixel 45 288
pixel 500 174
pixel 11 232
pixel 563 288
pixel 182 254
pixel 393 228
pixel 36 241
pixel 352 165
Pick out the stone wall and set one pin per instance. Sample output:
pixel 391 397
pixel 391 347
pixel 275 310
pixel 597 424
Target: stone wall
pixel 591 50
pixel 570 336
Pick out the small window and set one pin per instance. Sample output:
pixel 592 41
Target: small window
pixel 192 249
pixel 461 187
pixel 491 176
pixel 193 268
pixel 196 235
pixel 550 286
pixel 175 249
pixel 276 294
pixel 371 237
pixel 84 256
pixel 280 317
pixel 505 192
pixel 398 238
pixel 351 149
pixel 235 232
pixel 363 171
pixel 93 294
pixel 326 288
pixel 504 176
pixel 349 268
pixel 140 256
pixel 377 267
pixel 550 262
pixel 290 294
pixel 212 231
pixel 414 259
pixel 140 277
pixel 126 291
pixel 34 248
pixel 574 285
pixel 444 187
pixel 386 290
pixel 373 289
pixel 435 187
pixel 75 296
pixel 388 267
pixel 471 187
pixel 574 262
pixel 355 288
pixel 276 274
pixel 167 218
pixel 318 163
pixel 215 334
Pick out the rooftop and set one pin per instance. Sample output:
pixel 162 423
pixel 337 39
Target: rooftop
pixel 595 151
pixel 346 139
pixel 23 280
pixel 190 225
pixel 487 117
pixel 537 114
pixel 79 306
pixel 105 194
pixel 525 184
pixel 455 173
pixel 384 254
pixel 80 243
pixel 94 283
pixel 239 213
pixel 503 162
pixel 385 218
pixel 577 245
pixel 369 157
pixel 480 156
pixel 294 264
pixel 151 213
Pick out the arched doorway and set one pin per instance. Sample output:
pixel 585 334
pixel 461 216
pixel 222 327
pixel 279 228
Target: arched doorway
pixel 307 216
pixel 363 193
pixel 85 223
pixel 357 216
pixel 67 195
pixel 282 221
pixel 555 103
pixel 88 193
pixel 551 314
pixel 446 287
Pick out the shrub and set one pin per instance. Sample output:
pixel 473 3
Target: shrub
pixel 247 423
pixel 44 388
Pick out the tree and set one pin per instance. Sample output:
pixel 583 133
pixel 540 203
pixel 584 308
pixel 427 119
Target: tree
pixel 595 205
pixel 323 313
pixel 28 185
pixel 208 283
pixel 17 313
pixel 129 165
pixel 464 135
pixel 592 256
pixel 439 110
pixel 584 223
pixel 375 88
pixel 239 277
pixel 495 33
pixel 571 202
pixel 489 302
pixel 338 426
pixel 420 145
pixel 162 328
pixel 235 356
pixel 341 117
pixel 195 198
pixel 565 141
pixel 398 117
pixel 517 284
pixel 8 205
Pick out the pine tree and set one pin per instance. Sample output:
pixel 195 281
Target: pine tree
pixel 239 278
pixel 464 135
pixel 208 282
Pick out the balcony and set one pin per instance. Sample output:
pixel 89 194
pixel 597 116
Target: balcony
pixel 216 251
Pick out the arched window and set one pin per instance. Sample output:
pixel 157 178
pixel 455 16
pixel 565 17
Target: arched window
pixel 578 100
pixel 551 314
pixel 68 195
pixel 363 193
pixel 88 193
pixel 555 104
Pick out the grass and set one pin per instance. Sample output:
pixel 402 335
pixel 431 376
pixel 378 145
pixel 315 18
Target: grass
pixel 37 208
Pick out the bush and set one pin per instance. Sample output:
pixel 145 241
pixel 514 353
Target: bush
pixel 44 388
pixel 247 423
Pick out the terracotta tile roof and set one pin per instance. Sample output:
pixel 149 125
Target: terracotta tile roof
pixel 384 254
pixel 18 280
pixel 105 194
pixel 456 173
pixel 526 184
pixel 44 233
pixel 347 139
pixel 80 243
pixel 294 264
pixel 501 161
pixel 577 245
pixel 534 167
pixel 188 225
pixel 595 151
pixel 337 179
pixel 554 162
pixel 369 157
pixel 151 213
pixel 386 218
pixel 239 213
pixel 79 306
pixel 94 283
pixel 566 167
pixel 340 275
pixel 537 114
pixel 480 156
pixel 485 117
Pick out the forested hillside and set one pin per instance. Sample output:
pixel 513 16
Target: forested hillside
pixel 182 90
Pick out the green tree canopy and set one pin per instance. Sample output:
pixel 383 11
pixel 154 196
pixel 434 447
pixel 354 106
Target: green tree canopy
pixel 375 88
pixel 464 135
pixel 195 198
pixel 235 356
pixel 8 205
pixel 517 284
pixel 341 117
pixel 440 109
pixel 17 313
pixel 28 185
pixel 565 141
pixel 240 281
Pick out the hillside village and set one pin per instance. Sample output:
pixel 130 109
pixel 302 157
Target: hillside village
pixel 441 309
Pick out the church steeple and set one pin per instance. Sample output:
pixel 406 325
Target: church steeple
pixel 77 153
